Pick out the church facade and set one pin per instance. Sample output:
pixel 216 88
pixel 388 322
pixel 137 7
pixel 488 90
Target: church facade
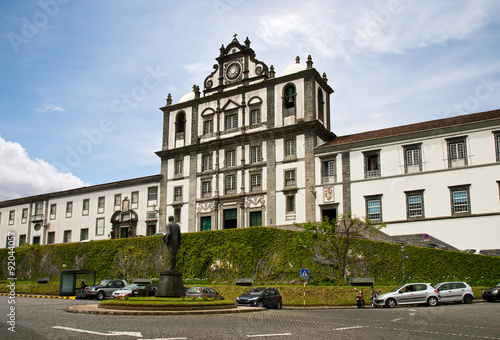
pixel 252 148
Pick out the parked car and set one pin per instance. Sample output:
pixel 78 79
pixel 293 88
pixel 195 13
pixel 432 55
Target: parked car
pixel 133 290
pixel 476 251
pixel 410 294
pixel 492 294
pixel 200 292
pixel 104 288
pixel 260 297
pixel 455 292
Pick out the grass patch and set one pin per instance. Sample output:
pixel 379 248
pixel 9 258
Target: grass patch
pixel 158 302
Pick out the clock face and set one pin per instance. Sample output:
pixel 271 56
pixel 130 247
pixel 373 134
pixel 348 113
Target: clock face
pixel 233 71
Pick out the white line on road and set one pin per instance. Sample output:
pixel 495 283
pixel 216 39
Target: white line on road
pixel 394 320
pixel 112 333
pixel 346 328
pixel 263 335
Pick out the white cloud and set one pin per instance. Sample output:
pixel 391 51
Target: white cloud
pixel 50 108
pixel 22 176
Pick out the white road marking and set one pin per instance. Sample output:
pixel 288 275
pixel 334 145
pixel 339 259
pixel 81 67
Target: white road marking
pixel 112 333
pixel 394 320
pixel 345 328
pixel 263 335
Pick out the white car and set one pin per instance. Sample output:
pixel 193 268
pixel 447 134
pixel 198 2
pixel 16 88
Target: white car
pixel 455 292
pixel 410 294
pixel 128 290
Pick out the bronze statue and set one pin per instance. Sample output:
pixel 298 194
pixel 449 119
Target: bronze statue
pixel 173 240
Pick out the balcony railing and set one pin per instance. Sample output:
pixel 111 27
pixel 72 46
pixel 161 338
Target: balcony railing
pixel 37 218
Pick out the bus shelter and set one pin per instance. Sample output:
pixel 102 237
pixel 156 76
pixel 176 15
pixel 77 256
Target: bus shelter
pixel 69 277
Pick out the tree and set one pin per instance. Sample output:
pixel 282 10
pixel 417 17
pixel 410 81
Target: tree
pixel 330 240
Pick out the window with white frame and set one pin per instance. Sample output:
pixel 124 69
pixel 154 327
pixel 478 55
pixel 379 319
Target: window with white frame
pixel 460 200
pixel 69 209
pixel 497 145
pixel 231 121
pixel 51 237
pixel 289 147
pixel 372 163
pixel 328 171
pixel 85 207
pixel 100 205
pixel 457 152
pixel 118 201
pixel 152 194
pixel 135 199
pixel 255 116
pixel 256 181
pixel 67 236
pixel 413 158
pixel 99 226
pixel 53 209
pixel 206 188
pixel 178 167
pixel 208 125
pixel 12 215
pixel 290 178
pixel 374 208
pixel 230 183
pixel 289 96
pixel 256 154
pixel 84 234
pixel 290 203
pixel 178 194
pixel 230 158
pixel 24 216
pixel 415 204
pixel 206 162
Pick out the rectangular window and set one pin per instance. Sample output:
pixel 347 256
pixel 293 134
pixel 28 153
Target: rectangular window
pixel 69 209
pixel 67 236
pixel 118 201
pixel 100 205
pixel 53 208
pixel 457 152
pixel 413 158
pixel 255 117
pixel 36 239
pixel 290 178
pixel 51 237
pixel 135 199
pixel 415 204
pixel 84 234
pixel 372 164
pixel 230 183
pixel 460 200
pixel 39 209
pixel 290 148
pixel 152 194
pixel 99 227
pixel 290 203
pixel 256 154
pixel 497 145
pixel 12 215
pixel 24 216
pixel 22 239
pixel 231 121
pixel 177 215
pixel 178 167
pixel 256 182
pixel 206 163
pixel 374 208
pixel 230 159
pixel 208 126
pixel 206 188
pixel 178 194
pixel 86 204
pixel 328 171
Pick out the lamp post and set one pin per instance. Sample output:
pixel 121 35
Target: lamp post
pixel 403 254
pixel 126 268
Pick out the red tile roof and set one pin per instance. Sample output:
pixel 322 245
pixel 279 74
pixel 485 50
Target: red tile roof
pixel 417 127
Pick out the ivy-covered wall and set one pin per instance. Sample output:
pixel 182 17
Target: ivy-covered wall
pixel 264 254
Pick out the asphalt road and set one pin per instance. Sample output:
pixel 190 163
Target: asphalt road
pixel 46 319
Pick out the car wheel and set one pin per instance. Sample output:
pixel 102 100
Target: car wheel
pixel 468 299
pixel 278 305
pixel 100 295
pixel 391 303
pixel 432 301
pixel 260 304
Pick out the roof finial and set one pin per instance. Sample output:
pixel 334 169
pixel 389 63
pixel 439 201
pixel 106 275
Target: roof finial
pixel 271 72
pixel 297 60
pixel 324 77
pixel 234 36
pixel 309 61
pixel 169 99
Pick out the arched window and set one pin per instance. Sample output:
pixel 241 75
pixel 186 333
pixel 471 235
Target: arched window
pixel 180 122
pixel 321 106
pixel 289 95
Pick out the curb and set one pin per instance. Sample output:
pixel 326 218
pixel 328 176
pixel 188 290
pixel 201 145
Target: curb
pixel 41 296
pixel 94 309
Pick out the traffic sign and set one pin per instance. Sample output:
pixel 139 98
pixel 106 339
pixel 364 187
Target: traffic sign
pixel 304 273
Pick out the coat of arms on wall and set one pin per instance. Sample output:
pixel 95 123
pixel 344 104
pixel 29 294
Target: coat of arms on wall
pixel 328 193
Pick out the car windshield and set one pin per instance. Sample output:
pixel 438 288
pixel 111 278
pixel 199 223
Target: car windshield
pixel 397 289
pixel 498 285
pixel 103 283
pixel 255 291
pixel 130 287
pixel 193 290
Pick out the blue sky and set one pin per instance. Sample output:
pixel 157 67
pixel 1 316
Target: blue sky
pixel 81 81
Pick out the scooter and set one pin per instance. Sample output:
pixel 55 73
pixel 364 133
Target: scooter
pixel 374 296
pixel 360 302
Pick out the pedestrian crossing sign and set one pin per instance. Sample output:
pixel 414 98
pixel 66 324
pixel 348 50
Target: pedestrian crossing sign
pixel 304 273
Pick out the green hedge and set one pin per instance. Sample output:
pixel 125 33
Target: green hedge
pixel 264 254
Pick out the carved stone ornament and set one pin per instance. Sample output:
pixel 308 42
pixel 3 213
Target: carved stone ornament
pixel 328 193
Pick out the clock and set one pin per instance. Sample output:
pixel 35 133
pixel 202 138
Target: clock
pixel 233 70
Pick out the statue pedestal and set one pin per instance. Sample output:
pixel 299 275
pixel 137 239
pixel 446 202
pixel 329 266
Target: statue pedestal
pixel 170 284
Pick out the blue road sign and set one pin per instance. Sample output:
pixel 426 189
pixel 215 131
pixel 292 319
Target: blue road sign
pixel 304 273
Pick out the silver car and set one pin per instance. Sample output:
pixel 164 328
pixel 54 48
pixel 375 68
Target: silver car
pixel 455 292
pixel 410 294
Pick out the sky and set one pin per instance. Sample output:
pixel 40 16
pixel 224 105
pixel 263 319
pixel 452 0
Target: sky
pixel 81 82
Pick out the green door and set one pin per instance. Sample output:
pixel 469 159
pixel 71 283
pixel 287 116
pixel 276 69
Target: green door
pixel 255 218
pixel 230 218
pixel 206 223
